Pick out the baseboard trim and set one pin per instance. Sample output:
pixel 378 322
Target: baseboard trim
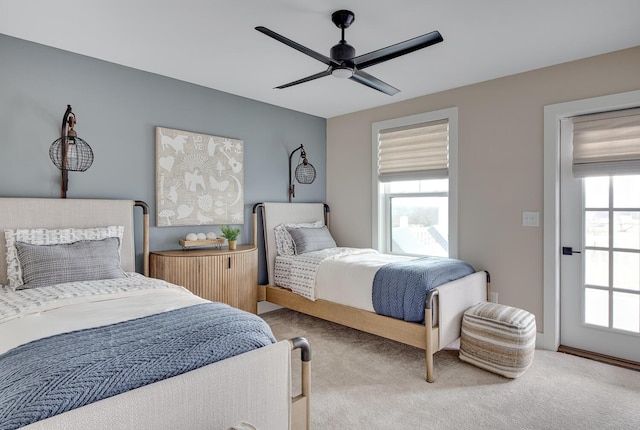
pixel 600 357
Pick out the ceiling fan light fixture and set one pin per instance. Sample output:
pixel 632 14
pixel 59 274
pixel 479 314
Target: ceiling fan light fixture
pixel 342 72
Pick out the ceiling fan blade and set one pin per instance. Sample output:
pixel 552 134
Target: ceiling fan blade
pixel 307 79
pixel 311 53
pixel 371 81
pixel 397 50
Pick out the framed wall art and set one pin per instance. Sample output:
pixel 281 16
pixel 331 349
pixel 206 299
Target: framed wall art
pixel 199 179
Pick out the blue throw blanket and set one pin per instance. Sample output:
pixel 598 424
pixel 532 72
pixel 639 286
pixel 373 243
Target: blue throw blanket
pixel 50 376
pixel 400 289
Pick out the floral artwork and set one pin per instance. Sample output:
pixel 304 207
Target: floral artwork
pixel 199 179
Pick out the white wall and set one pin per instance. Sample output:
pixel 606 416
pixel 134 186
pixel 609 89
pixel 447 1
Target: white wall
pixel 500 165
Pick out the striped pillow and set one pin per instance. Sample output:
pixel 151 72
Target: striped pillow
pixel 284 243
pixel 42 236
pixel 85 260
pixel 311 239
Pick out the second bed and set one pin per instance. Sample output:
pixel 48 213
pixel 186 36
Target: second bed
pixel 336 283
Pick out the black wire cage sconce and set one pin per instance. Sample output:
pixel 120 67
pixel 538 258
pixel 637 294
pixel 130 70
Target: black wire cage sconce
pixel 69 152
pixel 305 173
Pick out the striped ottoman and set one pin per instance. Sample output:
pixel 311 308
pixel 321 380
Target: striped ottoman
pixel 498 338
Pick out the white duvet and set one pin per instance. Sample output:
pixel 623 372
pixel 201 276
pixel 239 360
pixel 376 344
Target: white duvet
pixel 27 315
pixel 340 275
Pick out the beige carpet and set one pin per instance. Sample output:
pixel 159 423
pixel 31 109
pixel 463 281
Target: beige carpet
pixel 361 381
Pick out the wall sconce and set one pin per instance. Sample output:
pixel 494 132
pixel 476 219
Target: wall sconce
pixel 69 152
pixel 305 172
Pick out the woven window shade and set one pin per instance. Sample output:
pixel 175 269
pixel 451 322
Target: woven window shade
pixel 419 151
pixel 607 144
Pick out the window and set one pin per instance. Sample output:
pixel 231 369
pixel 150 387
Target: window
pixel 414 184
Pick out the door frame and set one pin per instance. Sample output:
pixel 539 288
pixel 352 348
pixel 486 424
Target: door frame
pixel 550 338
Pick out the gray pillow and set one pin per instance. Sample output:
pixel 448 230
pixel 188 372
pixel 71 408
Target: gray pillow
pixel 311 239
pixel 85 260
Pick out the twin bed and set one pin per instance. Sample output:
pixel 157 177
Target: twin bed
pixel 345 285
pixel 125 351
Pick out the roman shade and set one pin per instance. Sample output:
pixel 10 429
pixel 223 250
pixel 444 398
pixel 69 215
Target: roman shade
pixel 419 151
pixel 607 144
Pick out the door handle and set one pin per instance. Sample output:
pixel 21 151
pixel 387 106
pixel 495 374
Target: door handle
pixel 567 250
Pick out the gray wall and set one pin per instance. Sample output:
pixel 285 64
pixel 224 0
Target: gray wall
pixel 117 109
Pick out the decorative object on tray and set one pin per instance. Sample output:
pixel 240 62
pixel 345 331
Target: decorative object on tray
pixel 231 234
pixel 201 239
pixel 199 179
pixel 69 152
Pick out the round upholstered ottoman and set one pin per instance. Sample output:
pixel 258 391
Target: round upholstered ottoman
pixel 498 338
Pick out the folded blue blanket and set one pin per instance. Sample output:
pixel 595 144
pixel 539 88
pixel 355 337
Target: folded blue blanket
pixel 53 375
pixel 400 288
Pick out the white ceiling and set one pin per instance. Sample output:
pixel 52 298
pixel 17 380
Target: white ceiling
pixel 213 43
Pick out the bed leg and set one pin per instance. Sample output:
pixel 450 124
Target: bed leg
pixel 301 405
pixel 306 391
pixel 428 323
pixel 428 326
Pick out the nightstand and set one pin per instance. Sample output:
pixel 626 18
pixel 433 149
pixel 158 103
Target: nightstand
pixel 219 275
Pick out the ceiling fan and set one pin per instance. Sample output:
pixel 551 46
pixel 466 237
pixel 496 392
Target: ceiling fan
pixel 343 62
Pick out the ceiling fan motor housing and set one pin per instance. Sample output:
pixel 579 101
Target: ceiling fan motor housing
pixel 342 52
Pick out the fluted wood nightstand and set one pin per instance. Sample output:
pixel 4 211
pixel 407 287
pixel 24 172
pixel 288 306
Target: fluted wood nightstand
pixel 218 275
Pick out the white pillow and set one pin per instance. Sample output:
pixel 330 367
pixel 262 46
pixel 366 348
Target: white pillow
pixel 42 236
pixel 284 242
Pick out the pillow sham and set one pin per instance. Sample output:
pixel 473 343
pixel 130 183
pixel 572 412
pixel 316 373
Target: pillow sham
pixel 42 236
pixel 311 239
pixel 85 260
pixel 284 243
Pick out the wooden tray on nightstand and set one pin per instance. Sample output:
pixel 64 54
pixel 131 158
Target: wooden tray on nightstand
pixel 216 243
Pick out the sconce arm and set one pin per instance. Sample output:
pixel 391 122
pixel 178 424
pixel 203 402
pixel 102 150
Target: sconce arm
pixel 291 185
pixel 64 182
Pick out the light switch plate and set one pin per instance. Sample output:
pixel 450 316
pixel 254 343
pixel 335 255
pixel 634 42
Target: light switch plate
pixel 493 297
pixel 530 219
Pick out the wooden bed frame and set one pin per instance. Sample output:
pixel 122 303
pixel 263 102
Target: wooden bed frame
pixel 426 337
pixel 196 399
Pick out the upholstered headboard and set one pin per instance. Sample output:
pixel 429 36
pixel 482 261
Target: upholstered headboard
pixel 274 214
pixel 67 213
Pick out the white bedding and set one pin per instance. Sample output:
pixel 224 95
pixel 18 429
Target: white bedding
pixel 340 275
pixel 26 315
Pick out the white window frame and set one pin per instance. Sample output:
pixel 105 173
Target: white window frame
pixel 380 210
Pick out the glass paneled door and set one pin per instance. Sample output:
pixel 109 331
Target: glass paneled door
pixel 600 265
pixel 600 262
